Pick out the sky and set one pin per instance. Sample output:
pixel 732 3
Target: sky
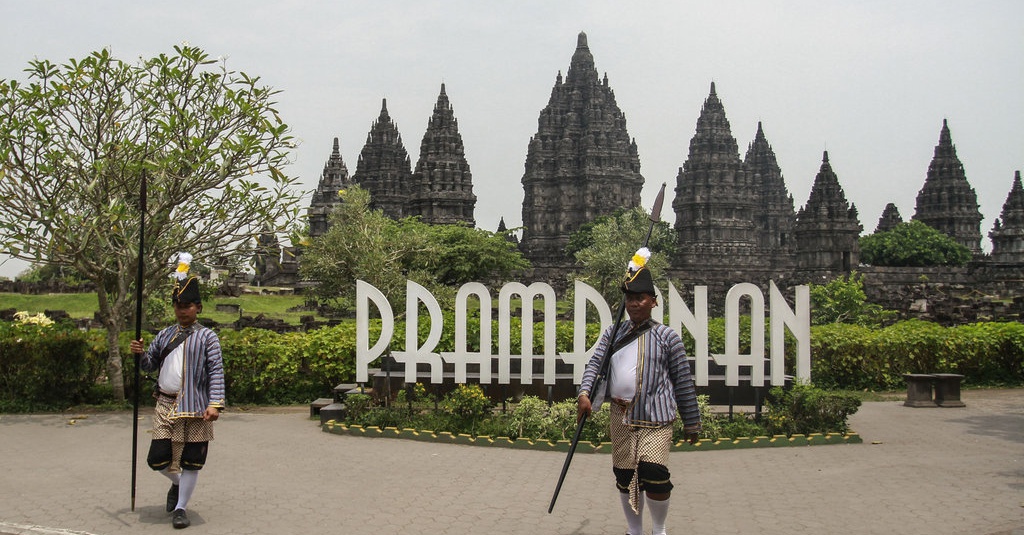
pixel 869 81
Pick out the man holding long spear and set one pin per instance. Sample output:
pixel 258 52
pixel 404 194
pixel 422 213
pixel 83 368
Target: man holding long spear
pixel 648 382
pixel 189 394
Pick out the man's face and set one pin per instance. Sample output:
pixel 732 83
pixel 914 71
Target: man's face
pixel 186 313
pixel 639 306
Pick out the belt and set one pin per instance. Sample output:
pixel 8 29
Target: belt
pixel 165 395
pixel 622 403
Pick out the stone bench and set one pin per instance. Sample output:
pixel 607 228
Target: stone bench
pixel 317 405
pixel 334 408
pixel 946 388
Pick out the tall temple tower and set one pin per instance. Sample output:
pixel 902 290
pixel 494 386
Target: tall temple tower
pixel 442 185
pixel 1008 231
pixel 947 202
pixel 716 197
pixel 774 216
pixel 383 168
pixel 827 227
pixel 334 179
pixel 581 164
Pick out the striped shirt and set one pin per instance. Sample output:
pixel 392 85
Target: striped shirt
pixel 664 385
pixel 202 374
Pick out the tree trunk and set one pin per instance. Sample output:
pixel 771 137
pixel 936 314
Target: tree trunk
pixel 111 316
pixel 114 364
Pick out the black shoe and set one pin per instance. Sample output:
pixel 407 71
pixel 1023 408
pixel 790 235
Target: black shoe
pixel 172 498
pixel 179 519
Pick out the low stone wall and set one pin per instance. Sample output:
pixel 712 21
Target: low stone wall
pixel 981 291
pixel 46 287
pixel 948 295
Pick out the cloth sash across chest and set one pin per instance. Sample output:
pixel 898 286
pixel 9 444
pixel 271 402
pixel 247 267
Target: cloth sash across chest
pixel 622 340
pixel 171 365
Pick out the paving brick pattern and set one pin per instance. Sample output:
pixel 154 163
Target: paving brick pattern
pixel 928 471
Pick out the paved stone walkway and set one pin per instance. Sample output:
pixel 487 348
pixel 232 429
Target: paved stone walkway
pixel 927 471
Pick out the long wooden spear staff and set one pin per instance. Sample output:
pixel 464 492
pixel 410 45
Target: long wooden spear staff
pixel 138 330
pixel 605 357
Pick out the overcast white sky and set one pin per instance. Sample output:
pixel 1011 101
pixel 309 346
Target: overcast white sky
pixel 869 81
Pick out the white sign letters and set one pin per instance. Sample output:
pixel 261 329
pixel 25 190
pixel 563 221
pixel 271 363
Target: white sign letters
pixel 749 366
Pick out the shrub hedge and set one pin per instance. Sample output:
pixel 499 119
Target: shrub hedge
pixel 45 367
pixel 803 409
pixel 853 357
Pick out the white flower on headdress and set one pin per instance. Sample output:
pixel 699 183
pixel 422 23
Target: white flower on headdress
pixel 182 261
pixel 639 259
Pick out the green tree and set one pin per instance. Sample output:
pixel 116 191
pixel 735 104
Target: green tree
pixel 361 244
pixel 367 245
pixel 50 272
pixel 461 254
pixel 77 139
pixel 842 300
pixel 603 248
pixel 912 243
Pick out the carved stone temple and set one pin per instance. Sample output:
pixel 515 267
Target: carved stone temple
pixel 1008 230
pixel 442 184
pixel 827 226
pixel 947 202
pixel 439 191
pixel 383 168
pixel 889 219
pixel 734 216
pixel 333 180
pixel 580 164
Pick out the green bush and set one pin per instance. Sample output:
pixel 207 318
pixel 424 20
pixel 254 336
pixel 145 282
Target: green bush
pixel 44 367
pixel 985 353
pixel 711 426
pixel 854 357
pixel 912 243
pixel 264 367
pixel 358 405
pixel 533 418
pixel 740 425
pixel 466 406
pixel 529 418
pixel 842 300
pixel 804 409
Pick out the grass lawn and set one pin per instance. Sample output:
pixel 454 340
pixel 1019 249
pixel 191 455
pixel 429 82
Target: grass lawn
pixel 81 305
pixel 271 306
pixel 84 305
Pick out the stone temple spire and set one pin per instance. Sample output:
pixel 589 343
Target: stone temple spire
pixel 334 179
pixel 581 67
pixel 384 169
pixel 889 219
pixel 827 227
pixel 715 196
pixel 442 184
pixel 947 202
pixel 774 216
pixel 581 164
pixel 1008 232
